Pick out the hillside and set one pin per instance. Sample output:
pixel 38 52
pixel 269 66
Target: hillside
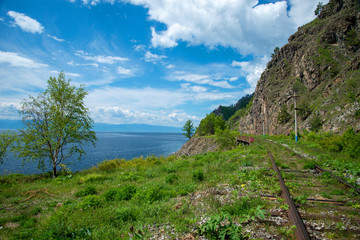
pixel 321 65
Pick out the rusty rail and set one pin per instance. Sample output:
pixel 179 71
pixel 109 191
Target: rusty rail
pixel 320 169
pixel 294 216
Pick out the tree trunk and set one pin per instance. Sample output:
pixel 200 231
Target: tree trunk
pixel 54 175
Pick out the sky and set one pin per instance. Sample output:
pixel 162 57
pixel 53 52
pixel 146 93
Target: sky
pixel 158 62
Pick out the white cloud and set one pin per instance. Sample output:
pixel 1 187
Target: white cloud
pixel 56 38
pixel 154 58
pixel 9 110
pixel 100 58
pixel 15 60
pixel 124 71
pixel 247 26
pixel 26 23
pixel 200 79
pixel 67 74
pixel 72 63
pixel 119 115
pixel 170 66
pixel 303 11
pixel 1 19
pixel 252 71
pixel 189 87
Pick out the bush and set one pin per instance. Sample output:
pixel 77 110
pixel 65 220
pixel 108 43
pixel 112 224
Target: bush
pixel 89 190
pixel 125 214
pixel 283 116
pixel 198 175
pixel 351 143
pixel 154 193
pixel 226 139
pixel 208 125
pixel 316 123
pixel 171 178
pixel 124 193
pixel 221 227
pixel 91 201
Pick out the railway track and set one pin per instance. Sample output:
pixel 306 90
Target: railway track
pixel 321 205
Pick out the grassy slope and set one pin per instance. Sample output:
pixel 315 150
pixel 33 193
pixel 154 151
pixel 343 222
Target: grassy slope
pixel 149 197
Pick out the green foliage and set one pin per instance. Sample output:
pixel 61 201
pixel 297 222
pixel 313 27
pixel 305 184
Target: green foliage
pixel 318 8
pixel 326 60
pixel 209 124
pixel 221 226
pixel 93 178
pixel 153 193
pixel 198 175
pixel 188 129
pixel 283 116
pixel 229 111
pixel 315 123
pixel 246 208
pixel 57 124
pixel 351 143
pixel 6 139
pixel 91 201
pixel 352 88
pixel 226 139
pixel 126 214
pixel 276 50
pixel 89 190
pixel 353 39
pixel 302 199
pixel 171 178
pixel 304 110
pixel 122 193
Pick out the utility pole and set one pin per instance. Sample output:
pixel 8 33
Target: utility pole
pixel 296 136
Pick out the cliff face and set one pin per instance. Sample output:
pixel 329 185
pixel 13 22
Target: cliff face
pixel 197 145
pixel 320 65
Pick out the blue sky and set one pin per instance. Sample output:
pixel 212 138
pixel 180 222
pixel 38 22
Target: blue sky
pixel 158 62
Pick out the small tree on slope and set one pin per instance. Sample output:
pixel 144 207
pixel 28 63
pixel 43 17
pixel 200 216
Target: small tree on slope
pixel 188 129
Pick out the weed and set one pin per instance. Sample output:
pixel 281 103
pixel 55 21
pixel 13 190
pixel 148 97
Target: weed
pixel 124 193
pixel 221 226
pixel 198 175
pixel 302 199
pixel 93 178
pixel 171 178
pixel 91 201
pixel 89 190
pixel 288 232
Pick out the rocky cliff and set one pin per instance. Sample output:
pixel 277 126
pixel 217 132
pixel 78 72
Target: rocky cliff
pixel 320 66
pixel 197 145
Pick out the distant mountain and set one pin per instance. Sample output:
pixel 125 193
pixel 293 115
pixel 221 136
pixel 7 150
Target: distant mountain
pixel 102 127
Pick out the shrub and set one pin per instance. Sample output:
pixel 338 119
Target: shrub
pixel 124 193
pixel 91 201
pixel 93 178
pixel 351 142
pixel 154 193
pixel 226 139
pixel 89 190
pixel 221 227
pixel 208 125
pixel 198 175
pixel 125 214
pixel 171 178
pixel 283 116
pixel 315 123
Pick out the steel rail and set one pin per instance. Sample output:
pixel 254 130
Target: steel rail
pixel 294 216
pixel 320 169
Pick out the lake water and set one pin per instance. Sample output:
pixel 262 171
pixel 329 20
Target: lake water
pixel 109 146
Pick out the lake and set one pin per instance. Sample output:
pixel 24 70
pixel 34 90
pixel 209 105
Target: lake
pixel 110 145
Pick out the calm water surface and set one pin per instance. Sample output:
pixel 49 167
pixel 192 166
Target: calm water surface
pixel 109 146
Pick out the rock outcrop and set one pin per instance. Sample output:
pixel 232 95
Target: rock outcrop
pixel 197 145
pixel 320 65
